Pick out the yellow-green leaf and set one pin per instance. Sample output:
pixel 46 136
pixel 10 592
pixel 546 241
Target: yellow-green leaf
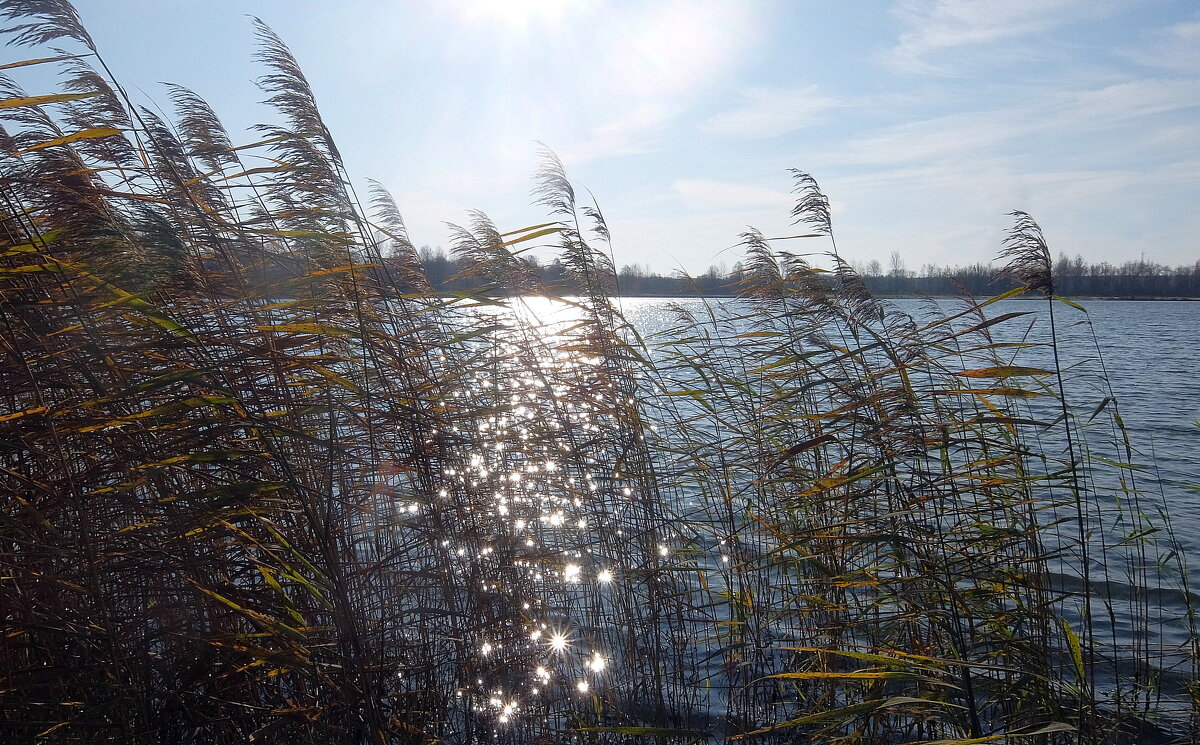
pixel 306 328
pixel 209 456
pixel 94 133
pixel 1073 304
pixel 27 268
pixel 38 61
pixel 1001 391
pixel 336 237
pixel 859 675
pixel 12 103
pixel 529 228
pixel 19 414
pixel 1004 296
pixel 531 236
pixel 1076 648
pixel 340 380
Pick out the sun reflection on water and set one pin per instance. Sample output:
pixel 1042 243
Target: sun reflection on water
pixel 538 503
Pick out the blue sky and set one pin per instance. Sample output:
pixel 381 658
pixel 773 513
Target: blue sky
pixel 925 121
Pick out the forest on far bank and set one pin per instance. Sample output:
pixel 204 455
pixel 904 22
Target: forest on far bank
pixel 1076 277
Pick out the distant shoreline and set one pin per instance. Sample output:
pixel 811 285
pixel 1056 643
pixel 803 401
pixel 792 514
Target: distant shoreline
pixel 1137 298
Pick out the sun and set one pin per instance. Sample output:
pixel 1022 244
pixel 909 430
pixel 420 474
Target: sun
pixel 518 14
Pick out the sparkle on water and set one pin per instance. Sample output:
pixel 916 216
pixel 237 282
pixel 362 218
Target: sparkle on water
pixel 551 516
pixel 532 480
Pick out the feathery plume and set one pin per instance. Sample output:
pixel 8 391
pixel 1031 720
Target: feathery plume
pixel 47 20
pixel 1027 255
pixel 812 206
pixel 553 187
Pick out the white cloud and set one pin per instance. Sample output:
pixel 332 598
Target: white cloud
pixel 933 26
pixel 956 212
pixel 710 195
pixel 770 112
pixel 932 139
pixel 1044 120
pixel 1174 48
pixel 633 133
pixel 1133 99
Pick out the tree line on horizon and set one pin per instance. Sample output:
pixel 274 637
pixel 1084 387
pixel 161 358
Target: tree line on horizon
pixel 1075 278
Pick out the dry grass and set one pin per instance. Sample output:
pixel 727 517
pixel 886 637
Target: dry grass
pixel 261 485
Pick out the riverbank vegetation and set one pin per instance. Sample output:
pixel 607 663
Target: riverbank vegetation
pixel 1135 280
pixel 263 482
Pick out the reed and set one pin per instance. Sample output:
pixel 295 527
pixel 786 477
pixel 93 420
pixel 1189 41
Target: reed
pixel 262 484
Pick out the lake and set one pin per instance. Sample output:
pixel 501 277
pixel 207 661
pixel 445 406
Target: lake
pixel 1149 350
pixel 1142 354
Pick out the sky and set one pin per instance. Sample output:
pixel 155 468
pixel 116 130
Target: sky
pixel 924 121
